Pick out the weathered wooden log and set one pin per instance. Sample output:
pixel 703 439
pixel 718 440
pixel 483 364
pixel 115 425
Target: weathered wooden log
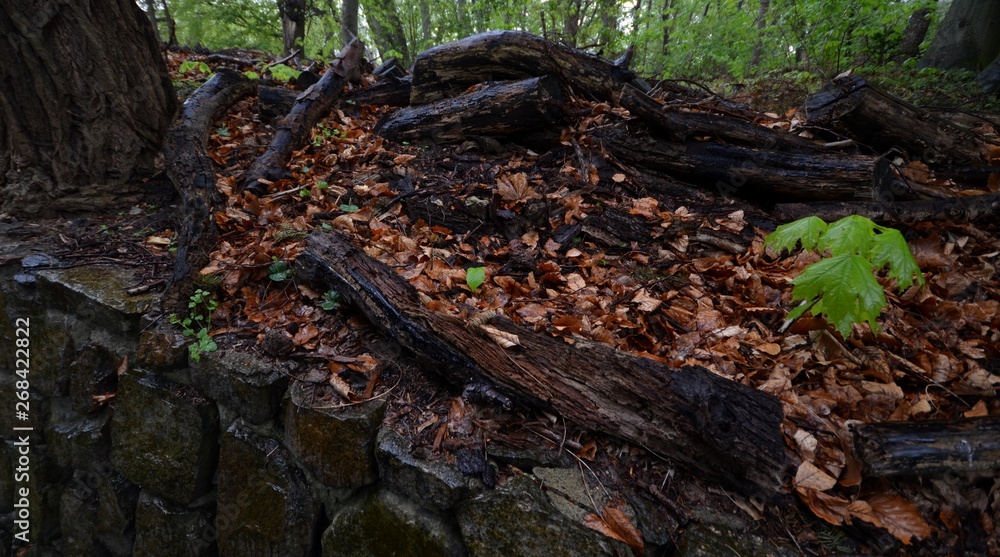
pixel 952 209
pixel 495 110
pixel 390 91
pixel 749 172
pixel 275 102
pixel 190 169
pixel 681 126
pixel 929 447
pixel 721 430
pixel 883 121
pixel 450 69
pixel 309 108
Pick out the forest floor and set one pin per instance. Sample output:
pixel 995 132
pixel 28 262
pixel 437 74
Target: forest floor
pixel 700 290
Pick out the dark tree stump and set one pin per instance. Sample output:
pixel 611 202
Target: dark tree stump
pixel 494 110
pixel 309 108
pixel 719 429
pixel 930 447
pixel 191 170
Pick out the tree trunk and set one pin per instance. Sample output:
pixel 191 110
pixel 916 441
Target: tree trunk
pixel 758 47
pixel 293 25
pixel 913 35
pixel 349 21
pixel 151 14
pixel 968 37
pixel 171 25
pixel 85 101
pixel 387 29
pixel 990 77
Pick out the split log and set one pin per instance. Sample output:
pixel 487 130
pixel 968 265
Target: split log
pixel 883 121
pixel 495 110
pixel 309 108
pixel 448 70
pixel 190 169
pixel 390 91
pixel 721 430
pixel 749 172
pixel 929 447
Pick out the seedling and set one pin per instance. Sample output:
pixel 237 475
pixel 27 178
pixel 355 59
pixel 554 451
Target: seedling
pixel 475 277
pixel 332 300
pixel 198 323
pixel 279 271
pixel 843 286
pixel 348 208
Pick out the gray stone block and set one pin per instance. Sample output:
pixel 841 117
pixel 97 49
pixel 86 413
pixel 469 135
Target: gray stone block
pixel 266 506
pixel 164 528
pixel 336 444
pixel 163 436
pixel 434 484
pixel 242 382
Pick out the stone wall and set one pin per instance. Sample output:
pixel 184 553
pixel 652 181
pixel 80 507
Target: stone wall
pixel 132 451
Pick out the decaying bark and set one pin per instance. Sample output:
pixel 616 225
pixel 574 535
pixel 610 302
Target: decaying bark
pixel 309 108
pixel 954 209
pixel 191 170
pixel 929 447
pixel 882 121
pixel 496 110
pixel 721 430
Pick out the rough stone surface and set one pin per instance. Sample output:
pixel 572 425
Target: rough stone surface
pixel 265 505
pixel 387 525
pixel 80 442
pixel 163 528
pixel 434 484
pixel 242 382
pixel 97 294
pixel 163 436
pixel 336 444
pixel 566 490
pixel 517 519
pixel 91 372
pixel 117 498
pixel 162 348
pixel 78 519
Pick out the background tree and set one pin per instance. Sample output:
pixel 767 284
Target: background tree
pixel 969 39
pixel 293 25
pixel 85 102
pixel 387 29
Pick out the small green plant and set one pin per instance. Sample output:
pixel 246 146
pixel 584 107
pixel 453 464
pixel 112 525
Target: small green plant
pixel 322 185
pixel 250 74
pixel 189 65
pixel 332 300
pixel 348 208
pixel 279 271
pixel 304 193
pixel 475 277
pixel 222 131
pixel 198 323
pixel 281 72
pixel 843 286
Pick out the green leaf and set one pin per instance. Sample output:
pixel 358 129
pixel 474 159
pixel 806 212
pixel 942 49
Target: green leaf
pixel 475 277
pixel 849 235
pixel 843 289
pixel 279 271
pixel 348 208
pixel 785 237
pixel 889 248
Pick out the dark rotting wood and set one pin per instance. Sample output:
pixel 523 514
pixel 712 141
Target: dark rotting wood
pixel 917 448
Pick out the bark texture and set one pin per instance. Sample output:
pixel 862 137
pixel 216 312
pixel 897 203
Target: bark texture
pixel 968 36
pixel 85 101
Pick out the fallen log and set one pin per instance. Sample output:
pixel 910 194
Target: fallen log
pixel 192 173
pixel 929 447
pixel 275 102
pixel 390 91
pixel 495 110
pixel 448 70
pixel 883 121
pixel 952 209
pixel 719 429
pixel 309 108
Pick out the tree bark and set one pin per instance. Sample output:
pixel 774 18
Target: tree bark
pixel 387 29
pixel 990 77
pixel 913 35
pixel 968 37
pixel 349 21
pixel 190 168
pixel 310 107
pixel 719 429
pixel 85 101
pixel 494 110
pixel 931 447
pixel 293 25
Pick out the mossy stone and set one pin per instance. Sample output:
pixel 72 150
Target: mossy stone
pixel 242 382
pixel 434 484
pixel 164 528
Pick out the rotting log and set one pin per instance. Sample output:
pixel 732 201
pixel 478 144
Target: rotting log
pixel 750 172
pixel 275 102
pixel 929 447
pixel 952 209
pixel 883 121
pixel 722 431
pixel 448 70
pixel 190 168
pixel 494 110
pixel 310 107
pixel 389 91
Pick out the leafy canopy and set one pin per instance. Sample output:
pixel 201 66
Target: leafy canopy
pixel 843 287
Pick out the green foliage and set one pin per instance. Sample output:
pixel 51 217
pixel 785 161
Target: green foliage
pixel 332 300
pixel 189 65
pixel 198 323
pixel 279 271
pixel 281 72
pixel 475 277
pixel 348 208
pixel 219 24
pixel 843 287
pixel 250 74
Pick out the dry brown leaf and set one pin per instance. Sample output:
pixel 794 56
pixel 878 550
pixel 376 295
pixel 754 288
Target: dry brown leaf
pixel 830 508
pixel 615 524
pixel 978 411
pixel 340 386
pixel 808 476
pixel 503 338
pixel 897 515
